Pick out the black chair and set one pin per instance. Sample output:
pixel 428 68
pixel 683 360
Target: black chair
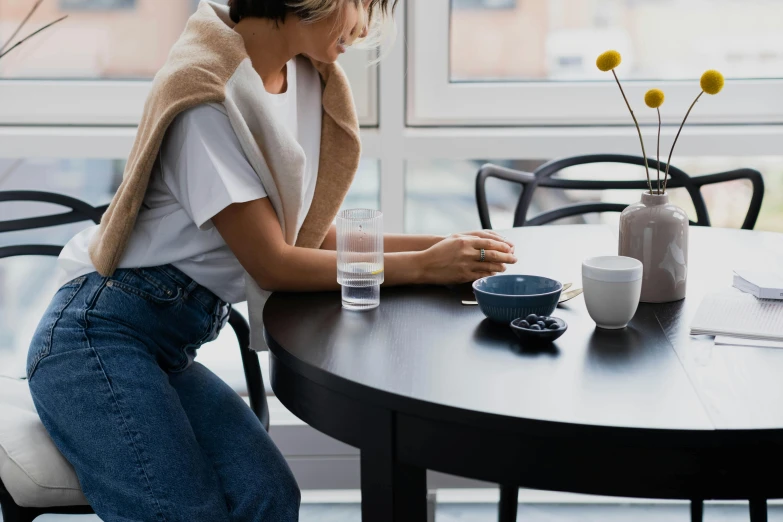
pixel 543 177
pixel 81 211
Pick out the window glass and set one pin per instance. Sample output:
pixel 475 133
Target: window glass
pixel 535 40
pixel 122 40
pixel 100 39
pixel 109 39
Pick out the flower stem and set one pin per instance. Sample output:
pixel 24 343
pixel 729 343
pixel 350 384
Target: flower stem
pixel 23 40
pixel 646 167
pixel 24 21
pixel 669 161
pixel 658 157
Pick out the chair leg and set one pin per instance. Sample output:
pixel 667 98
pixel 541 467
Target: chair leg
pixel 507 510
pixel 697 510
pixel 758 510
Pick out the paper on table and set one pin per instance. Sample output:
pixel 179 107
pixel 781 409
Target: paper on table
pixel 737 341
pixel 736 314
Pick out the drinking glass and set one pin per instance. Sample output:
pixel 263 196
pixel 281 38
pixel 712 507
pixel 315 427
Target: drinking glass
pixel 360 257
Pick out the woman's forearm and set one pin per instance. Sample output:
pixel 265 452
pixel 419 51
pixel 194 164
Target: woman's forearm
pixel 307 269
pixel 253 234
pixel 391 242
pixel 409 242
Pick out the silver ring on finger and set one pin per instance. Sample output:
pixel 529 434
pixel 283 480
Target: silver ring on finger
pixel 483 255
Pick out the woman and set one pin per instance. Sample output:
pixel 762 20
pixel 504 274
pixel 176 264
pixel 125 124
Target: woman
pixel 247 145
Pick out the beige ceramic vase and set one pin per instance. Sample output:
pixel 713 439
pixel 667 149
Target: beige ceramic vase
pixel 655 232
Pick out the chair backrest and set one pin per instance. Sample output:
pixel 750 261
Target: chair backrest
pixel 77 211
pixel 80 211
pixel 544 177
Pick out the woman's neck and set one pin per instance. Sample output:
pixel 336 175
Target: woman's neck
pixel 270 46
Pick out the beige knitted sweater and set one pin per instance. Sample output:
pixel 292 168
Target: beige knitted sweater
pixel 209 64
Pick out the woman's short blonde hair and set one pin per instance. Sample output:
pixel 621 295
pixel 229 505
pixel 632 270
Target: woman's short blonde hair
pixel 307 10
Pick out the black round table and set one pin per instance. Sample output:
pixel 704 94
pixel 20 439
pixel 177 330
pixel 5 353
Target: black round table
pixel 424 382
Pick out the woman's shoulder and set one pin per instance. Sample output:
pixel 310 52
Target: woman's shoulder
pixel 203 125
pixel 205 112
pixel 201 117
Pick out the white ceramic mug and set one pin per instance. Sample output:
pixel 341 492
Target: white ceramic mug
pixel 612 288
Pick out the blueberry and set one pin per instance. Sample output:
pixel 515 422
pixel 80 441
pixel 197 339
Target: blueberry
pixel 532 319
pixel 542 324
pixel 554 326
pixel 524 324
pixel 549 322
pixel 535 327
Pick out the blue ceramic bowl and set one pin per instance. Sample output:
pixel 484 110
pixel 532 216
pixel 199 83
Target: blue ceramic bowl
pixel 503 298
pixel 538 337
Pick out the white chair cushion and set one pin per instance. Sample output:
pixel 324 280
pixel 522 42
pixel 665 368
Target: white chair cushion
pixel 31 467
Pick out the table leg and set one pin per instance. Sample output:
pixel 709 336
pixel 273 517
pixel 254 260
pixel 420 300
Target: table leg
pixel 507 509
pixel 697 510
pixel 392 491
pixel 758 510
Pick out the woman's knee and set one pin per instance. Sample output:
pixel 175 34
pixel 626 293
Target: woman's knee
pixel 276 498
pixel 286 499
pixel 290 491
pixel 285 490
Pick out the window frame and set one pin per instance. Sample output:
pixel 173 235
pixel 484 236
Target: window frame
pixel 120 103
pixel 435 100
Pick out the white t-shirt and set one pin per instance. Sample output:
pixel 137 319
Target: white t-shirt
pixel 201 169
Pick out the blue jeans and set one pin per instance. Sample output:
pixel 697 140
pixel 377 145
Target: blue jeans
pixel 153 436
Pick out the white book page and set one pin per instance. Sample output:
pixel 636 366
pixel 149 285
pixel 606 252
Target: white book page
pixel 738 341
pixel 737 314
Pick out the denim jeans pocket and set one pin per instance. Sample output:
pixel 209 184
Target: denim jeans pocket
pixel 144 283
pixel 146 303
pixel 41 343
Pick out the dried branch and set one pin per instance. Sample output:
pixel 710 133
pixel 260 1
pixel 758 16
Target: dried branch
pixel 669 161
pixel 26 18
pixel 658 157
pixel 23 40
pixel 646 167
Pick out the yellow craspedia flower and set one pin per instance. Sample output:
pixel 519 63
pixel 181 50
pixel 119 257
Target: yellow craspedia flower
pixel 711 82
pixel 608 60
pixel 654 98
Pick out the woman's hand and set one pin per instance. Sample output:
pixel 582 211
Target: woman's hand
pixel 457 259
pixel 489 234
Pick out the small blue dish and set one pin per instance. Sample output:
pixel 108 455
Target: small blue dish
pixel 538 337
pixel 503 298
